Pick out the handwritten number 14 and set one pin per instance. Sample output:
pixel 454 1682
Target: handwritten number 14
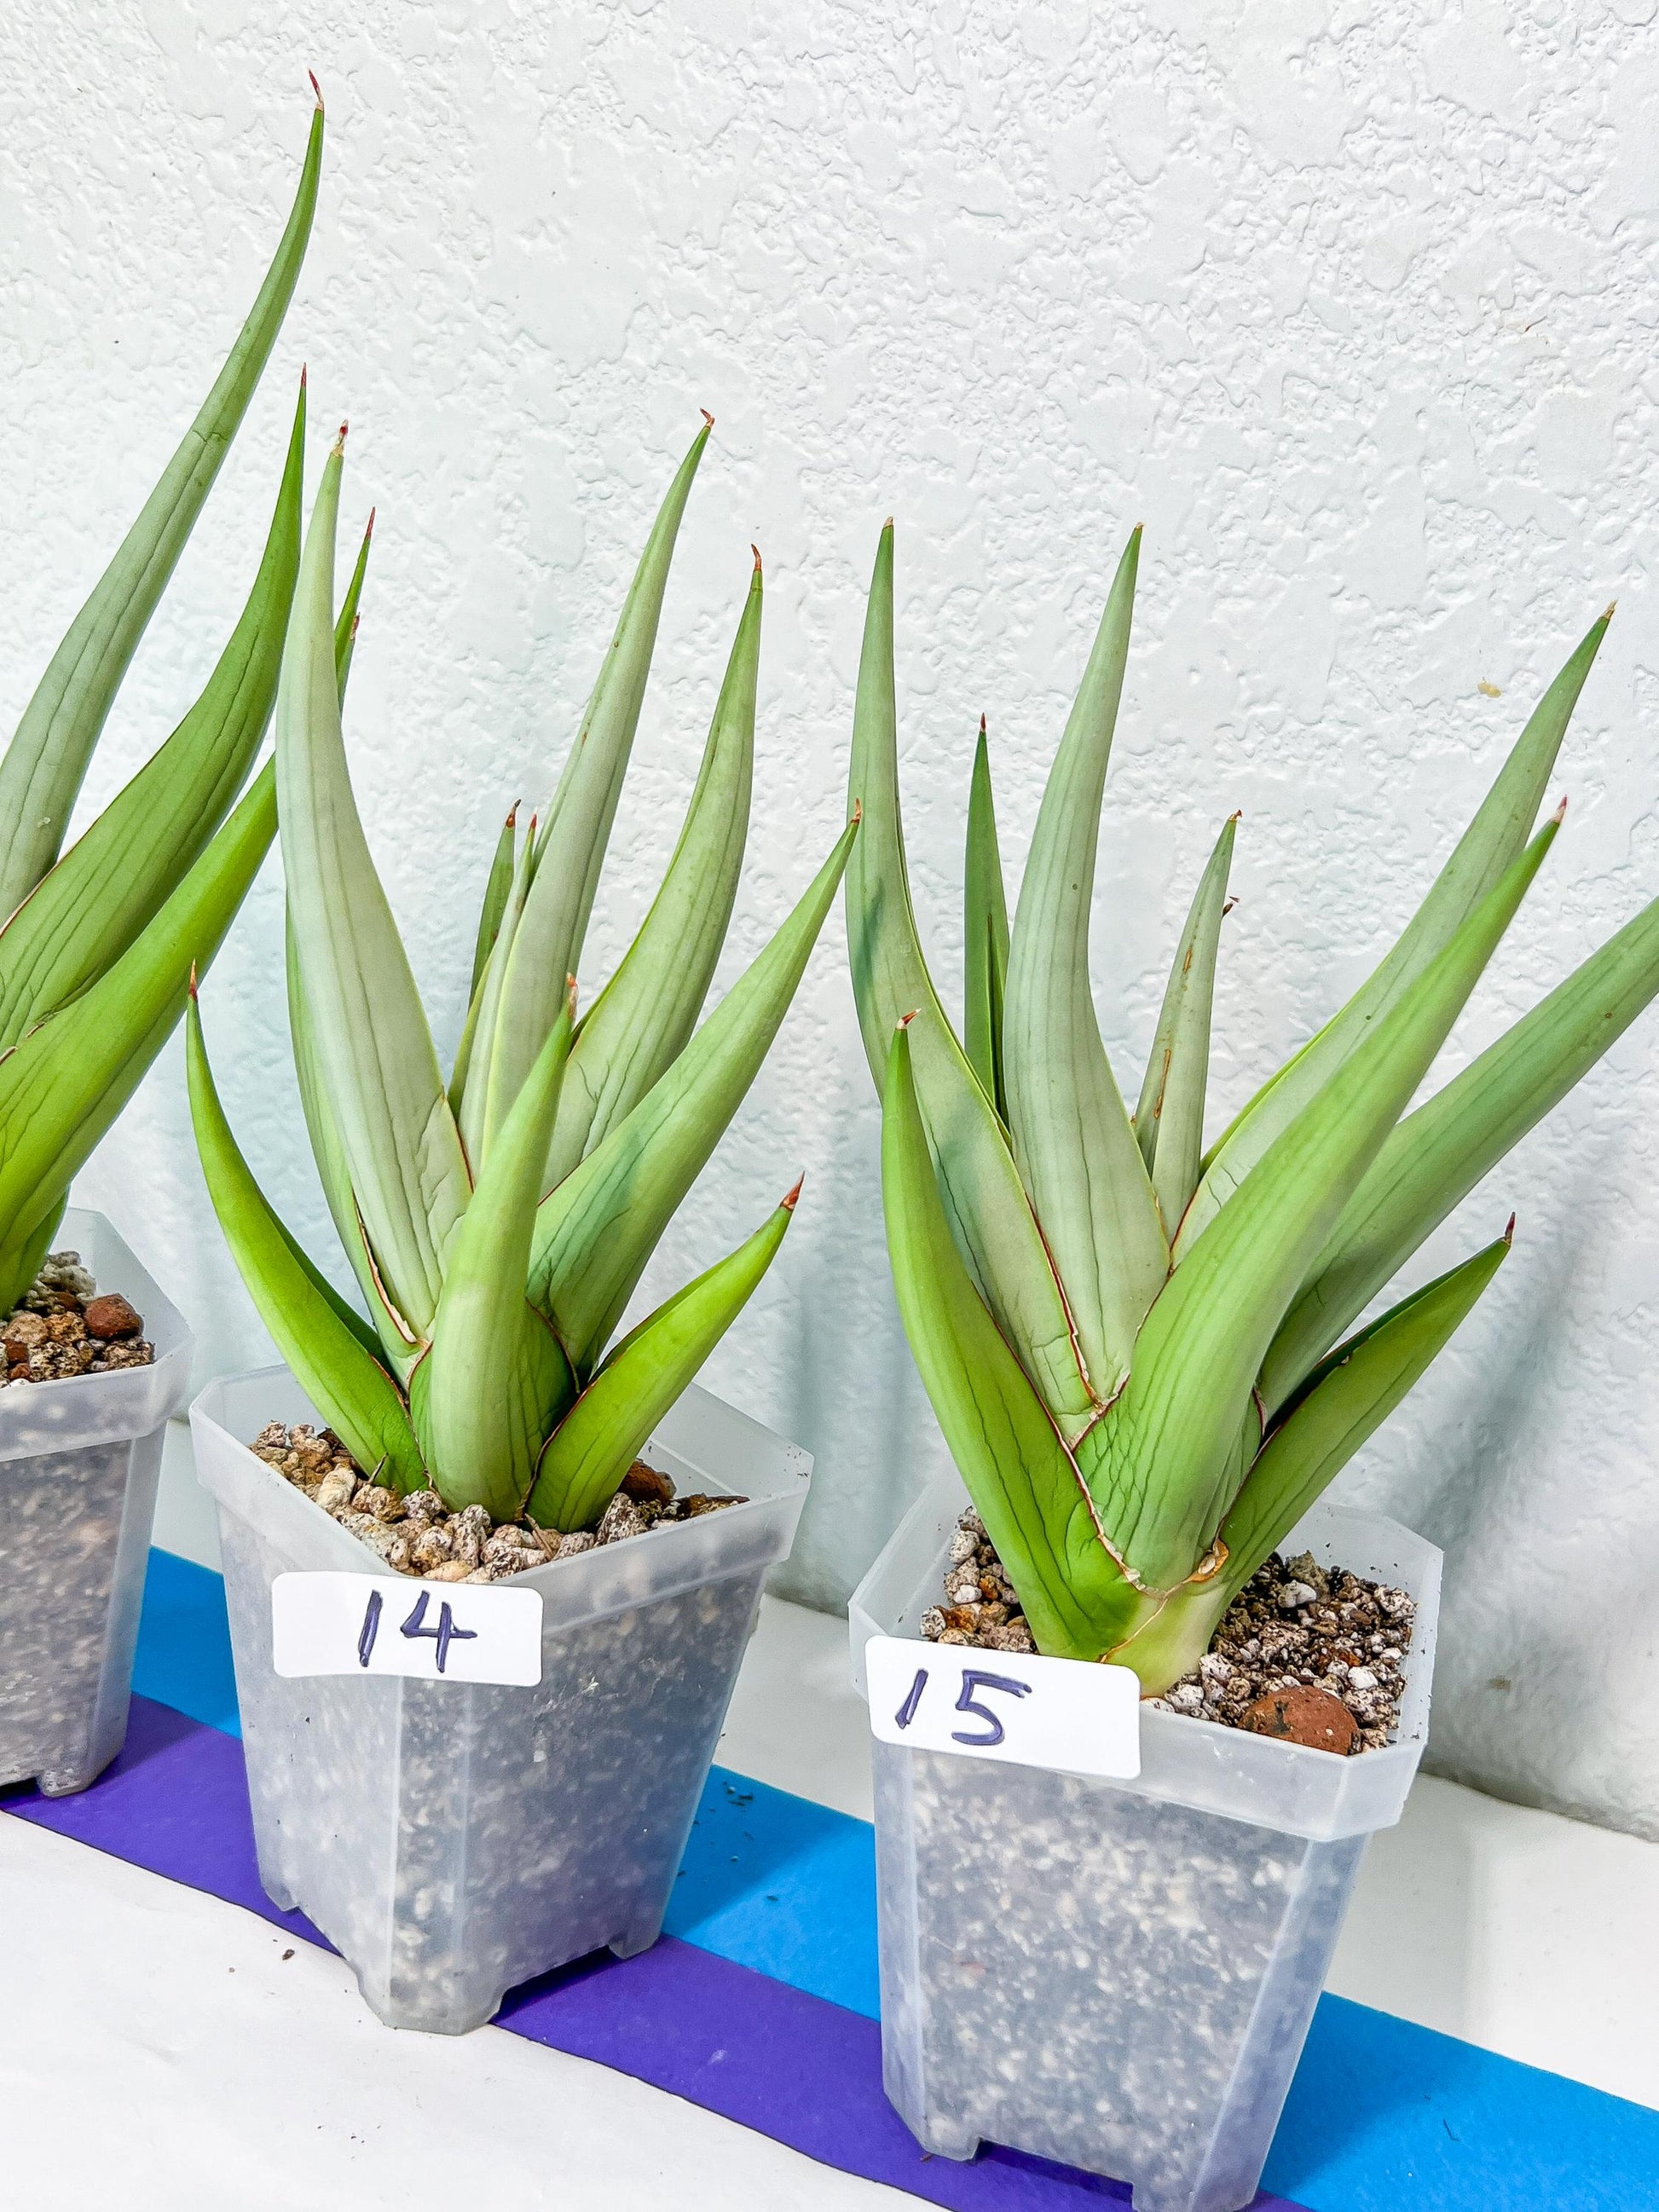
pixel 443 1635
pixel 973 1679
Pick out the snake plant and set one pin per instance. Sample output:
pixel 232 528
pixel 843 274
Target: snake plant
pixel 97 949
pixel 1134 1344
pixel 497 1224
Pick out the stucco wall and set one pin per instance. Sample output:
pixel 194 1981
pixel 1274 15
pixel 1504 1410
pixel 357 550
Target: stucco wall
pixel 1353 305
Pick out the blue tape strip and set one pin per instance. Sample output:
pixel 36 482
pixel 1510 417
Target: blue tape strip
pixel 1382 2117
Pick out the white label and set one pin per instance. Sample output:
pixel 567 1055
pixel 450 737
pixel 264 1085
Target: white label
pixel 1010 1705
pixel 339 1624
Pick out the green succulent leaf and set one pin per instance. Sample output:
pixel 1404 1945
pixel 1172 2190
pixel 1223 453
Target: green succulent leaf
pixel 596 1230
pixel 88 908
pixel 600 1438
pixel 47 758
pixel 991 1215
pixel 1487 847
pixel 331 1351
pixel 1159 1469
pixel 373 1046
pixel 345 622
pixel 472 1102
pixel 570 850
pixel 985 935
pixel 1170 1117
pixel 1022 1480
pixel 63 1086
pixel 1073 1139
pixel 494 900
pixel 642 1020
pixel 495 1380
pixel 1437 1155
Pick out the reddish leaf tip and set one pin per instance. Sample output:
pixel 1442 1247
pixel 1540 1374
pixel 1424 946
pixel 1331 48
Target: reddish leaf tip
pixel 316 89
pixel 754 549
pixel 1509 1231
pixel 858 809
pixel 192 980
pixel 368 527
pixel 303 365
pixel 512 815
pixel 1560 814
pixel 707 416
pixel 905 1020
pixel 787 1201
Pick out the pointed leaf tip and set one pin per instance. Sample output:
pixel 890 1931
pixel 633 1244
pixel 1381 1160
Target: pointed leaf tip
pixel 192 979
pixel 317 88
pixel 368 527
pixel 754 549
pixel 1560 814
pixel 1509 1231
pixel 1613 609
pixel 858 811
pixel 707 416
pixel 304 369
pixel 789 1197
pixel 981 726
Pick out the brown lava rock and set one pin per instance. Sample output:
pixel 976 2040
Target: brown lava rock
pixel 1304 1715
pixel 109 1317
pixel 417 1534
pixel 1295 1626
pixel 63 1326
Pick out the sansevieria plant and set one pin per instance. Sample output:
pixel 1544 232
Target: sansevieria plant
pixel 96 949
pixel 1131 1341
pixel 497 1224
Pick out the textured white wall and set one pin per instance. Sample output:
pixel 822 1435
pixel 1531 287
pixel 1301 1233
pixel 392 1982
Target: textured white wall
pixel 1354 305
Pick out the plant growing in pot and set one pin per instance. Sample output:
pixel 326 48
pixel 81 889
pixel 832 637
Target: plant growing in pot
pixel 95 961
pixel 1132 1346
pixel 454 1837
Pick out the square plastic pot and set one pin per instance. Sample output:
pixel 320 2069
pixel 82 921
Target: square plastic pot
pixel 1121 1975
pixel 452 1839
pixel 80 1459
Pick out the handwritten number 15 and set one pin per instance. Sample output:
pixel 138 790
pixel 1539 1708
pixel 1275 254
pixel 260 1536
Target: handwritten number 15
pixel 973 1679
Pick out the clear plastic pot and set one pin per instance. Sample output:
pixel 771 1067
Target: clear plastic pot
pixel 1121 1975
pixel 80 1459
pixel 453 1839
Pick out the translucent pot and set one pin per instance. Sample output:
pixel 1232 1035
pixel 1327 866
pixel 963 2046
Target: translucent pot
pixel 80 1459
pixel 452 1839
pixel 1121 1975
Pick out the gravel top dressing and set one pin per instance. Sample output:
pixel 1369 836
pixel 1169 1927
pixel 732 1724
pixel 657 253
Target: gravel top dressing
pixel 1312 1654
pixel 63 1326
pixel 417 1534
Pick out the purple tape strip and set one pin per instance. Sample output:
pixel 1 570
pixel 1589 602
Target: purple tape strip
pixel 791 2066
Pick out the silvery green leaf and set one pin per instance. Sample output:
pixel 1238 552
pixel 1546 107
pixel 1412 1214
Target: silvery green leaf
pixel 1072 1140
pixel 643 1017
pixel 374 1049
pixel 984 1198
pixel 1169 1118
pixel 570 850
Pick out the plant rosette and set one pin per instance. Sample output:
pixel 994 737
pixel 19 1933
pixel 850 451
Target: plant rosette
pixel 80 1459
pixel 452 1838
pixel 1120 1974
